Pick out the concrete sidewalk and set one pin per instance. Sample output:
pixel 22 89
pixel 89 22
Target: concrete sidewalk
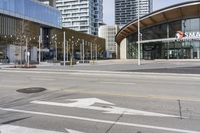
pixel 135 61
pixel 6 65
pixel 149 66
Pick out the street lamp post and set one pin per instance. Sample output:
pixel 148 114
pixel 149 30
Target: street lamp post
pixel 139 63
pixel 72 51
pixel 27 53
pixel 56 48
pixel 116 50
pixel 64 49
pixel 67 50
pixel 54 37
pixel 39 50
pixel 83 51
pixel 78 45
pixel 96 52
pixel 91 50
pixel 168 41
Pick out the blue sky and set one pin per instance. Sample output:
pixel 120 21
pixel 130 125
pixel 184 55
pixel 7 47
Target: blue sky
pixel 109 8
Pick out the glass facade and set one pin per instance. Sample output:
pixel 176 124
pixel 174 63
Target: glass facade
pixel 178 49
pixel 127 10
pixel 31 10
pixel 24 22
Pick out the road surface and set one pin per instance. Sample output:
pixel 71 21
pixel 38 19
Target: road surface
pixel 98 102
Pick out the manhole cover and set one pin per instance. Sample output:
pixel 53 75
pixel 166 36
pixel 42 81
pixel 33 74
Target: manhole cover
pixel 31 90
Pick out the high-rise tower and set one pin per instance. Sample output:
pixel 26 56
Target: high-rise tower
pixel 81 15
pixel 127 10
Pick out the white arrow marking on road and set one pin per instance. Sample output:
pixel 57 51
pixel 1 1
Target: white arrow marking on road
pixel 87 103
pixel 78 103
pixel 19 129
pixel 73 131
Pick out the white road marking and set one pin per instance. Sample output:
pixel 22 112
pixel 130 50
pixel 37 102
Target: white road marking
pixel 100 121
pixel 86 103
pixel 80 103
pixel 19 129
pixel 107 73
pixel 72 131
pixel 43 79
pixel 54 72
pixel 119 83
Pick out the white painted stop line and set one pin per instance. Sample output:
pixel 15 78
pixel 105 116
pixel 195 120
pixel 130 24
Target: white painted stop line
pixel 98 121
pixel 19 129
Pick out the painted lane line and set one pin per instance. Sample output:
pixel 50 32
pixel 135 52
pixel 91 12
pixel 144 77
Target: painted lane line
pixel 100 121
pixel 58 73
pixel 86 103
pixel 118 83
pixel 20 129
pixel 109 74
pixel 43 79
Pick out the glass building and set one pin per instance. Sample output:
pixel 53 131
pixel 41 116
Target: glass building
pixel 21 23
pixel 127 10
pixel 160 34
pixel 31 29
pixel 31 10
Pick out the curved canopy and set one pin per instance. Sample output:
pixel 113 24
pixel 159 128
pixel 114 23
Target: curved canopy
pixel 172 13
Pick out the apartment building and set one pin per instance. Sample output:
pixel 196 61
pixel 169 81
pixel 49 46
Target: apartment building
pixel 81 15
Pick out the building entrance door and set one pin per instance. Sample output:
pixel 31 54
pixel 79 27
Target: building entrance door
pixel 152 51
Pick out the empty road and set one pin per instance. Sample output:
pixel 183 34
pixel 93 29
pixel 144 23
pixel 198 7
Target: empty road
pixel 62 101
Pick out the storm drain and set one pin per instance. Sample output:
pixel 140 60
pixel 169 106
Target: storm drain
pixel 31 90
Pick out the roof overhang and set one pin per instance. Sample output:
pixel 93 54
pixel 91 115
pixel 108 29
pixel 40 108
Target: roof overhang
pixel 172 13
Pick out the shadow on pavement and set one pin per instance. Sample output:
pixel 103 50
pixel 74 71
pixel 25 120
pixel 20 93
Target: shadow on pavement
pixel 180 70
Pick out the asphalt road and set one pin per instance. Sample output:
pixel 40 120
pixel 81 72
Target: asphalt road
pixel 98 102
pixel 181 67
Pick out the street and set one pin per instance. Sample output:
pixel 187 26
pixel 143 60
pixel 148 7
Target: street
pixel 98 102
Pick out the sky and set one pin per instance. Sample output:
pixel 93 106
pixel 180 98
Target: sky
pixel 109 8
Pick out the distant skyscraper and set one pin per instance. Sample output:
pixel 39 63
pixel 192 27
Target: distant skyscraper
pixel 81 15
pixel 127 10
